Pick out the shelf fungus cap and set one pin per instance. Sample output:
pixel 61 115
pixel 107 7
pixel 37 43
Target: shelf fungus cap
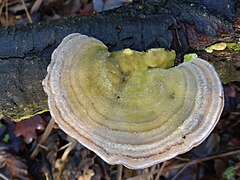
pixel 129 107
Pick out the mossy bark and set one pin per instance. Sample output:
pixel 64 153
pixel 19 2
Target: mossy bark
pixel 180 25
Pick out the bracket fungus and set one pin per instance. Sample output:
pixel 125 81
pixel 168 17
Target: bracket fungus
pixel 129 107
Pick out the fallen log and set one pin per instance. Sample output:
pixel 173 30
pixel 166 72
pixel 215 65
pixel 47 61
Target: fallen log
pixel 184 26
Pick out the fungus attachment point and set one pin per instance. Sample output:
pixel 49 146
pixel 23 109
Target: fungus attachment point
pixel 131 107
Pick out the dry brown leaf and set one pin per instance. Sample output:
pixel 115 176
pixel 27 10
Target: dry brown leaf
pixel 27 128
pixel 14 167
pixel 87 9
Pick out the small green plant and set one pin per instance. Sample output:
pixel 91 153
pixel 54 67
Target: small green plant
pixel 228 173
pixel 6 138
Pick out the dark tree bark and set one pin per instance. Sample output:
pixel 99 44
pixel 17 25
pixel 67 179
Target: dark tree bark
pixel 183 25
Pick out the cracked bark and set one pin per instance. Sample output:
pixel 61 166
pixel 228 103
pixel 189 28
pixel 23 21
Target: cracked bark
pixel 180 25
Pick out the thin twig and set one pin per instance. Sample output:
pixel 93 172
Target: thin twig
pixel 26 10
pixel 2 5
pixel 68 150
pixel 3 177
pixel 178 166
pixel 64 159
pixel 161 170
pixel 179 172
pixel 119 172
pixel 46 176
pixel 236 166
pixel 44 137
pixel 182 159
pixel 65 146
pixel 6 11
pixel 43 147
pixel 210 158
pixel 154 167
pixel 36 6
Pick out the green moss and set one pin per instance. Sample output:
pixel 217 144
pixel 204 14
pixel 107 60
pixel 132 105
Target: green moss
pixel 226 70
pixel 22 111
pixel 189 57
pixel 233 46
pixel 6 138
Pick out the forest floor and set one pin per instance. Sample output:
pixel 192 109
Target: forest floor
pixel 37 148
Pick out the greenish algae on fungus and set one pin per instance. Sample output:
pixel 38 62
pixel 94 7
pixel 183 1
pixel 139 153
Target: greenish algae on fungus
pixel 131 107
